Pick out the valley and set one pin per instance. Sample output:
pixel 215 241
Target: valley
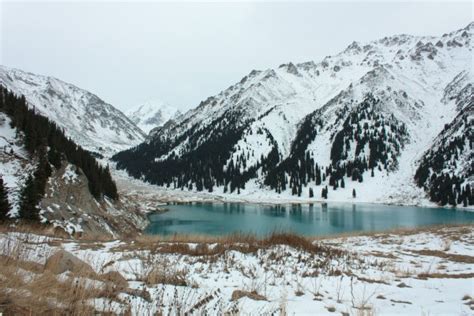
pixel 343 186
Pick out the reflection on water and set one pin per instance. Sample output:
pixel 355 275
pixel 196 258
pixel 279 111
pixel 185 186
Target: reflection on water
pixel 312 219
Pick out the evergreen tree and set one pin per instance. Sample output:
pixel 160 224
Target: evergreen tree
pixel 311 194
pixel 324 192
pixel 354 193
pixel 29 199
pixel 4 204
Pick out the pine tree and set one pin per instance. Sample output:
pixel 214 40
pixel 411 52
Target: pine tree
pixel 324 192
pixel 311 194
pixel 4 204
pixel 29 201
pixel 354 193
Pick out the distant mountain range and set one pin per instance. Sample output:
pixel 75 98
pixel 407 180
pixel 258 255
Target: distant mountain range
pixel 151 114
pixel 385 121
pixel 92 123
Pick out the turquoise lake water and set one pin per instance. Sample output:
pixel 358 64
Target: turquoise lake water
pixel 317 219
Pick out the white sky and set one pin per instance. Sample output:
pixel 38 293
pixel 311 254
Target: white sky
pixel 181 53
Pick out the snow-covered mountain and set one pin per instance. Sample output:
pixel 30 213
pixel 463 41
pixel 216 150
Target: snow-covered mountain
pixel 92 123
pixel 152 114
pixel 360 120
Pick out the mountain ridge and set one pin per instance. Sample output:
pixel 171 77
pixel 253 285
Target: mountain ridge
pixel 410 79
pixel 92 123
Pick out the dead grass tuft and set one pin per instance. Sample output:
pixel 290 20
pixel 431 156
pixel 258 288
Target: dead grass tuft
pixel 425 276
pixel 445 255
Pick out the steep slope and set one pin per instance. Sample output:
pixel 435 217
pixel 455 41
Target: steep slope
pixel 363 117
pixel 152 114
pixel 446 170
pixel 92 123
pixel 50 179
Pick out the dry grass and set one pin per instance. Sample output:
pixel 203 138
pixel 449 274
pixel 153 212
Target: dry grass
pixel 213 246
pixel 27 288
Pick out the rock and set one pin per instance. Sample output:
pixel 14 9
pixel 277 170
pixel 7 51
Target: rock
pixel 238 294
pixel 60 232
pixel 402 285
pixel 63 261
pixel 116 278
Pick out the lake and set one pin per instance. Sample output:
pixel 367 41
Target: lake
pixel 314 220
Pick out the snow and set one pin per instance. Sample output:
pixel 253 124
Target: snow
pixel 151 114
pixel 70 175
pixel 14 164
pixel 385 274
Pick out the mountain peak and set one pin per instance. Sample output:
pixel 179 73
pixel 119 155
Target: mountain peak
pixel 152 113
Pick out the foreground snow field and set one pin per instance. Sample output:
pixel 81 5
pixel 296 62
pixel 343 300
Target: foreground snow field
pixel 423 272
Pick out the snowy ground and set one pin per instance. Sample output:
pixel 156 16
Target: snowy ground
pixel 424 272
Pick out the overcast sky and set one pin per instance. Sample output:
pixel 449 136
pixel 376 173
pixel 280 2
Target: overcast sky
pixel 182 53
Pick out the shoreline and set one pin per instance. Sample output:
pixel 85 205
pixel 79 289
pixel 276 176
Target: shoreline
pixel 397 231
pixel 193 200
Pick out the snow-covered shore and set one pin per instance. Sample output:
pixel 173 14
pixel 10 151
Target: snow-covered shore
pixel 429 271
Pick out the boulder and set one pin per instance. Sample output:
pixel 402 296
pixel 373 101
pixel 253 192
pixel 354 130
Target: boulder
pixel 63 261
pixel 115 278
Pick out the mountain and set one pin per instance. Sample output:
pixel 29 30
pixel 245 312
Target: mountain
pixel 152 114
pixel 361 123
pixel 94 124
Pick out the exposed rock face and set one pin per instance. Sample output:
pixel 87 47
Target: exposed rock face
pixel 69 204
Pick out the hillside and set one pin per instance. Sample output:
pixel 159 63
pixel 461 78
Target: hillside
pixel 355 126
pixel 49 179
